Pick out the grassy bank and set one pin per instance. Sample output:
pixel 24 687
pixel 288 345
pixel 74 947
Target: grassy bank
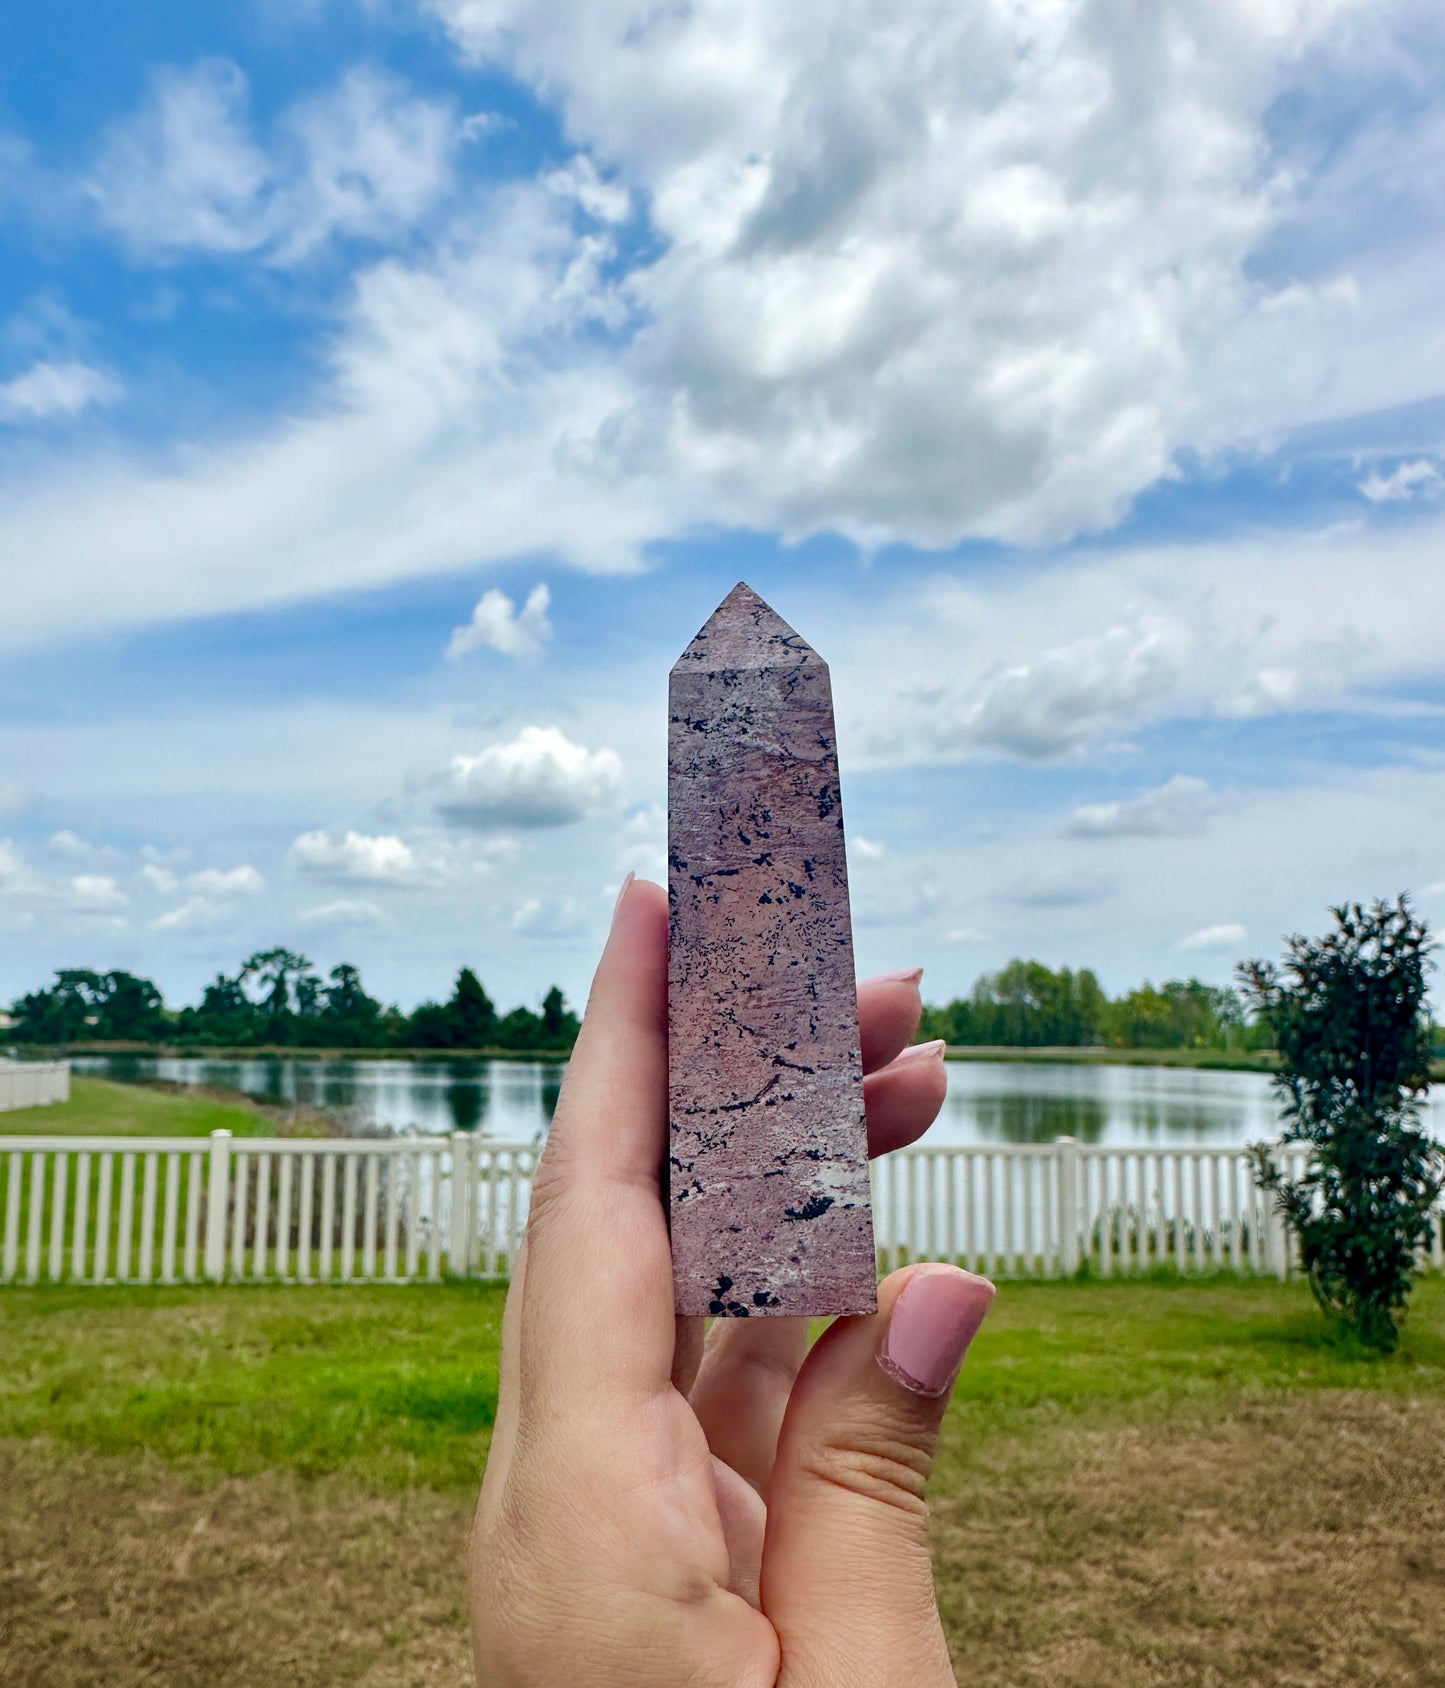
pixel 1225 1060
pixel 100 1108
pixel 1138 1484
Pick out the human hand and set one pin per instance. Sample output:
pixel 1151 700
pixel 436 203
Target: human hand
pixel 657 1512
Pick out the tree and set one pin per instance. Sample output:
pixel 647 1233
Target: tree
pixel 82 1004
pixel 1348 1016
pixel 284 987
pixel 347 1016
pixel 473 1015
pixel 559 1023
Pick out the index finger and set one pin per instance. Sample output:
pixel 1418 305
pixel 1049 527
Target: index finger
pixel 597 1319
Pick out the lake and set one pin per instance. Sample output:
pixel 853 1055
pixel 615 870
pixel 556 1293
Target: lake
pixel 988 1101
pixel 512 1101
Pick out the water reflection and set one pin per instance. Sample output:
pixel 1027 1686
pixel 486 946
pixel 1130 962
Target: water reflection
pixel 988 1101
pixel 508 1100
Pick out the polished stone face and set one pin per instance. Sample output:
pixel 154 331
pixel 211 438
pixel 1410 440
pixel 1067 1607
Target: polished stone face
pixel 768 1163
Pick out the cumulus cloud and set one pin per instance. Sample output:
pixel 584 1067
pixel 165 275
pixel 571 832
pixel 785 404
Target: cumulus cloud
pixel 496 622
pixel 1181 807
pixel 1064 698
pixel 227 882
pixel 96 891
pixel 345 914
pixel 643 847
pixel 69 844
pixel 865 849
pixel 538 779
pixel 12 867
pixel 948 273
pixel 1419 478
pixel 13 798
pixel 158 878
pixel 355 856
pixel 549 917
pixel 1224 936
pixel 47 392
pixel 196 914
pixel 364 160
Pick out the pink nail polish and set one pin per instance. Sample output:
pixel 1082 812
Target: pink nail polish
pixel 904 976
pixel 931 1326
pixel 921 1051
pixel 622 891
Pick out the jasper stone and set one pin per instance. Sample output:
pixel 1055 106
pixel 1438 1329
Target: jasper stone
pixel 768 1151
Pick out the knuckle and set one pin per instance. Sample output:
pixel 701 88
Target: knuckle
pixel 886 1470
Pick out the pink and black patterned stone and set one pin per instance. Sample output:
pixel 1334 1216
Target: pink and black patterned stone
pixel 768 1162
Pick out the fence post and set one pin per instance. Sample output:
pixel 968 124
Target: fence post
pixel 217 1189
pixel 464 1203
pixel 1068 1148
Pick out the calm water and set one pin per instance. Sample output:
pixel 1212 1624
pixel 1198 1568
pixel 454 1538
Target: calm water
pixel 988 1101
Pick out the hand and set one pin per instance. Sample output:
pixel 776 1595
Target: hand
pixel 657 1513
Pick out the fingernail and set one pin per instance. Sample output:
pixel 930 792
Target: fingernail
pixel 932 1324
pixel 904 976
pixel 625 887
pixel 920 1051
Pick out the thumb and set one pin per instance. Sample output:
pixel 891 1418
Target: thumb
pixel 847 1579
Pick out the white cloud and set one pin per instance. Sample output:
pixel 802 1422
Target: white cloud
pixel 47 391
pixel 538 779
pixel 437 440
pixel 160 879
pixel 978 272
pixel 13 798
pixel 68 844
pixel 643 847
pixel 953 272
pixel 1225 936
pixel 495 622
pixel 227 882
pixel 12 867
pixel 866 849
pixel 1066 697
pixel 194 915
pixel 1417 479
pixel 549 917
pixel 384 860
pixel 346 913
pixel 1081 659
pixel 96 891
pixel 365 160
pixel 1181 807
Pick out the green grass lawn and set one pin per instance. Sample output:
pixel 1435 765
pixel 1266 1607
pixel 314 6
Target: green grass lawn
pixel 1139 1484
pixel 100 1108
pixel 397 1384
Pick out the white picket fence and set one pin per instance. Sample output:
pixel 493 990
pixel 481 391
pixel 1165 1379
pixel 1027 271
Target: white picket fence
pixel 93 1210
pixel 33 1084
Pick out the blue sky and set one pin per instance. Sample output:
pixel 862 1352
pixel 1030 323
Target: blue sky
pixel 388 391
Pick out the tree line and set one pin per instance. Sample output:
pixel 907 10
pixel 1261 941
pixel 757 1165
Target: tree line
pixel 277 998
pixel 1028 1005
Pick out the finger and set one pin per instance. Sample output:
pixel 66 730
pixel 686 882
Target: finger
pixel 504 1426
pixel 902 1099
pixel 889 1008
pixel 748 1365
pixel 597 1326
pixel 854 1456
pixel 742 1391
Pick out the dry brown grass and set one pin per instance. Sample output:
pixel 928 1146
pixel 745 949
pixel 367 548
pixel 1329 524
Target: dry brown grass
pixel 122 1572
pixel 1298 1541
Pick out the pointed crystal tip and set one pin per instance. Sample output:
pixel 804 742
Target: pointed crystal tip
pixel 745 632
